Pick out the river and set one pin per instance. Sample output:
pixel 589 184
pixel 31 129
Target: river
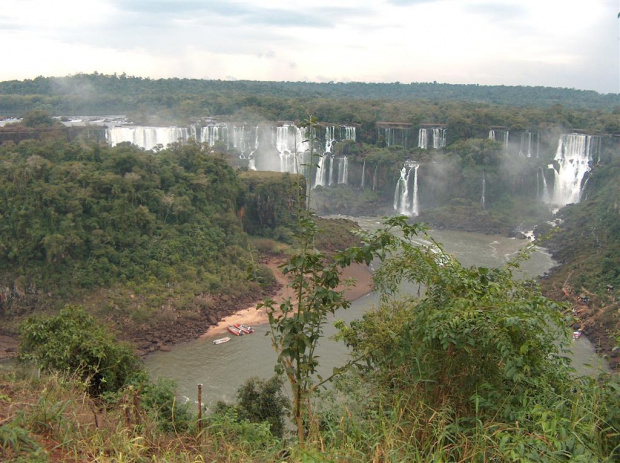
pixel 222 369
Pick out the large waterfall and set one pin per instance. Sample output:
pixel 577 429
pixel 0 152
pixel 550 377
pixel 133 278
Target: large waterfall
pixel 287 150
pixel 403 204
pixel 147 137
pixel 214 133
pixel 291 144
pixel 573 159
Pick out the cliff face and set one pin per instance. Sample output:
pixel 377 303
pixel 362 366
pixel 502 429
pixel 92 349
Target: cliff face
pixel 587 244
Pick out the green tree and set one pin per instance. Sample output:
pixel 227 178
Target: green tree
pixel 38 118
pixel 73 342
pixel 260 401
pixel 478 337
pixel 297 323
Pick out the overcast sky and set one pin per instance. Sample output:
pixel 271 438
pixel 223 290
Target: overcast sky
pixel 556 43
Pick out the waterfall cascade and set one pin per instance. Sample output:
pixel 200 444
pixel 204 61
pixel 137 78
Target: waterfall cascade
pixel 545 191
pixel 501 136
pixel 374 178
pixel 573 159
pixel 394 136
pixel 423 139
pixel 343 170
pixel 402 203
pixel 292 147
pixel 438 135
pixel 211 134
pixel 525 147
pixel 363 174
pixel 146 137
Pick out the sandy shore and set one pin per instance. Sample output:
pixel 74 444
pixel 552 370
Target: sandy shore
pixel 359 273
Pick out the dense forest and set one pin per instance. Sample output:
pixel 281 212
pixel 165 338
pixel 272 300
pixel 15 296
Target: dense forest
pixel 182 98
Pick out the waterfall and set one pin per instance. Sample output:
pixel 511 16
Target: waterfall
pixel 363 173
pixel 415 204
pixel 422 139
pixel 374 178
pixel 213 133
pixel 331 169
pixel 330 138
pixel 291 148
pixel 343 170
pixel 574 158
pixel 501 136
pixel 439 138
pixel 525 149
pixel 251 161
pixel 484 188
pixel 349 132
pixel 319 179
pixel 401 193
pixel 147 137
pixel 545 192
pixel 389 136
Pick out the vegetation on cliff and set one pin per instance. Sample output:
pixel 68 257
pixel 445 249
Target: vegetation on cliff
pixel 586 242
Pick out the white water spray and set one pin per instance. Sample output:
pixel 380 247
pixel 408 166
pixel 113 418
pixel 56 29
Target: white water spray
pixel 574 159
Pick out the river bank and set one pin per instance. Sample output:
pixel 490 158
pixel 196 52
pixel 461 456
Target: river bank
pixel 162 336
pixel 360 274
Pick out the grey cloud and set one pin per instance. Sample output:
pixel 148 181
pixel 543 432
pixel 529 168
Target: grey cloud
pixel 165 10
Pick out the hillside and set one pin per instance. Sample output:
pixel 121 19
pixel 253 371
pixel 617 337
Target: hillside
pixel 587 245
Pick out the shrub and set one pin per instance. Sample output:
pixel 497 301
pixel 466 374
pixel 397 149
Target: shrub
pixel 74 342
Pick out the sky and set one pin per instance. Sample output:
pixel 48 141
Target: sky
pixel 553 43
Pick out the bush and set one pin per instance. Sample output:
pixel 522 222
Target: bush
pixel 74 342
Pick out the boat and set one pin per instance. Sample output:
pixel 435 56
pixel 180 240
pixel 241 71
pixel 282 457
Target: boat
pixel 234 330
pixel 246 329
pixel 221 340
pixel 576 334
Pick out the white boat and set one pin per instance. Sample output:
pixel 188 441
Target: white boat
pixel 221 340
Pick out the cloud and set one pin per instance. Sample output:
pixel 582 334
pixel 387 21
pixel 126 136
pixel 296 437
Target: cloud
pixel 498 12
pixel 410 2
pixel 553 42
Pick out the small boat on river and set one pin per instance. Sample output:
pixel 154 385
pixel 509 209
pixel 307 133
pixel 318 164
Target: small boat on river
pixel 221 340
pixel 234 330
pixel 577 334
pixel 246 329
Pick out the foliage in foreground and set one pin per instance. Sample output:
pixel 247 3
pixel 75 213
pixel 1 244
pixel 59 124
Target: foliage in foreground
pixel 73 342
pixel 471 370
pixel 54 419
